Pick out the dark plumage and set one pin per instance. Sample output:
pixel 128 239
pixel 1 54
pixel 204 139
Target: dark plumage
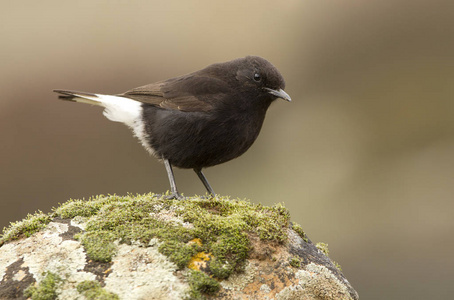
pixel 200 119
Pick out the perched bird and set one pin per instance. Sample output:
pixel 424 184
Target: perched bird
pixel 197 120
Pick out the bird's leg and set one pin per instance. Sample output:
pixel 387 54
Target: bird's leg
pixel 205 181
pixel 173 187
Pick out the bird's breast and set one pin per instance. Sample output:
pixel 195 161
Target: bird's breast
pixel 199 140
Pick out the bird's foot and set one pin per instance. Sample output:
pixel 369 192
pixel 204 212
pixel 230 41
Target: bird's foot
pixel 178 196
pixel 208 197
pixel 171 196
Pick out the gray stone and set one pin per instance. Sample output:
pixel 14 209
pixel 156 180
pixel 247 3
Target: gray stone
pixel 293 269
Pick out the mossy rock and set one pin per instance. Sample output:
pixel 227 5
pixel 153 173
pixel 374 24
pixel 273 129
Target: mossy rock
pixel 221 224
pixel 211 243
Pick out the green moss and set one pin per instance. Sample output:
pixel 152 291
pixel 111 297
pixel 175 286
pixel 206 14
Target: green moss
pixel 221 224
pixel 81 208
pixel 298 229
pixel 26 227
pixel 324 248
pixel 46 289
pixel 201 284
pixel 99 245
pixel 92 290
pixel 295 261
pixel 178 253
pixel 221 268
pixel 338 266
pixel 222 227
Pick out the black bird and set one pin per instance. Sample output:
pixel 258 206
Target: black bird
pixel 196 120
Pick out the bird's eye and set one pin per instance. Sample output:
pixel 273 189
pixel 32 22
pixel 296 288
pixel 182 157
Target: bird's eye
pixel 257 77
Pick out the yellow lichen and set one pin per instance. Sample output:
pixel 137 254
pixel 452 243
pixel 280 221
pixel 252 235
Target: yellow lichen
pixel 196 241
pixel 199 261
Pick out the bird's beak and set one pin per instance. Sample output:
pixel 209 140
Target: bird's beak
pixel 280 94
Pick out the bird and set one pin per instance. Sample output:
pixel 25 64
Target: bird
pixel 197 120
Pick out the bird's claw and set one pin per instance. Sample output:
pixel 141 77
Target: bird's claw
pixel 208 197
pixel 171 196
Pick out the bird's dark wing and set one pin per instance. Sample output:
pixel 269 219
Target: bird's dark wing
pixel 190 92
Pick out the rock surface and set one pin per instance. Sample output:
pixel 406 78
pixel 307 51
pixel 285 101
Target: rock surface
pixel 145 247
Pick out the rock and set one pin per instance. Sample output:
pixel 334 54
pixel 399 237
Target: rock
pixel 145 247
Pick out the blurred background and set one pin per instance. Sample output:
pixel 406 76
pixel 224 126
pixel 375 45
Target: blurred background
pixel 363 157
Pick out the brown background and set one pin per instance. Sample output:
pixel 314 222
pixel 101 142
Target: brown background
pixel 363 156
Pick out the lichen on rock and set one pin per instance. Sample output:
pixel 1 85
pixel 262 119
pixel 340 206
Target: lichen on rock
pixel 147 247
pixel 26 227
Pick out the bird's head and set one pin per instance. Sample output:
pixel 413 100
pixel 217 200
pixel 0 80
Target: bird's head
pixel 257 74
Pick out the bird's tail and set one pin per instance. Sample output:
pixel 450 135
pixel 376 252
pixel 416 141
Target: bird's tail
pixel 117 108
pixel 81 97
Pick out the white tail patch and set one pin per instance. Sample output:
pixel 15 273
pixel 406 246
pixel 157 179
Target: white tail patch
pixel 117 109
pixel 121 109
